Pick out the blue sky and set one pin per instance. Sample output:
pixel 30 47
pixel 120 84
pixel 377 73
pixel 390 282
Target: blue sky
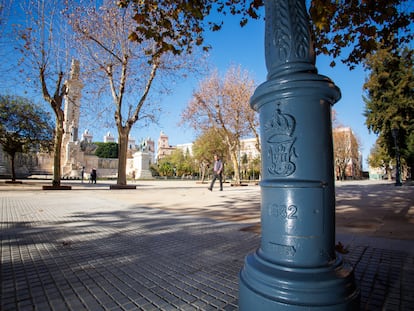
pixel 234 45
pixel 245 46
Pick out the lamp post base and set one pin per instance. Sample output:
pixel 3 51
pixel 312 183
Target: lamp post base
pixel 266 286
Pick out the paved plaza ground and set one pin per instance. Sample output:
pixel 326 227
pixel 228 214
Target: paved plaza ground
pixel 174 245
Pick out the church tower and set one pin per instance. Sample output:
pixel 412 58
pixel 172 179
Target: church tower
pixel 164 148
pixel 70 142
pixel 72 104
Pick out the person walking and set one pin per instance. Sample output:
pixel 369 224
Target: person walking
pixel 93 176
pixel 217 173
pixel 82 173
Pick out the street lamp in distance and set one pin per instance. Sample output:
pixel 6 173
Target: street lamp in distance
pixel 394 132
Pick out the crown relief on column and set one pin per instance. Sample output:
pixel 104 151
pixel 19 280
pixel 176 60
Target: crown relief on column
pixel 281 139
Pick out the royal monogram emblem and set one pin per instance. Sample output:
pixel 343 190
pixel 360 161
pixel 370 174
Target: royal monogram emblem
pixel 281 144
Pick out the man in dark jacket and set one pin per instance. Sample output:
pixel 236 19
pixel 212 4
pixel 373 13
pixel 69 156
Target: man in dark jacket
pixel 217 173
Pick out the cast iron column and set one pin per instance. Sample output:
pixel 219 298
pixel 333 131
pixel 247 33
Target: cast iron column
pixel 296 267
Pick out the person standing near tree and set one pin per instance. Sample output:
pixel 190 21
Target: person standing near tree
pixel 217 172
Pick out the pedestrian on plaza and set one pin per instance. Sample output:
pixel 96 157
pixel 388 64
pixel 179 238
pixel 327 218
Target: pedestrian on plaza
pixel 93 176
pixel 217 172
pixel 82 173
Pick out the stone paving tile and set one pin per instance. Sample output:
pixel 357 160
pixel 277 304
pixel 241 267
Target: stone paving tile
pixel 147 259
pixel 380 275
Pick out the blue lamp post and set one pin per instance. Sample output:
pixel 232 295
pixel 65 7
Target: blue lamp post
pixel 295 267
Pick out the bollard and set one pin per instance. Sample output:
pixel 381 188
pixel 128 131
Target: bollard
pixel 295 267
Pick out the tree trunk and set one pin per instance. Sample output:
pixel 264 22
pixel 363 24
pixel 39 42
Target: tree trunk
pixel 389 173
pixel 122 155
pixel 56 104
pixel 13 173
pixel 235 162
pixel 57 151
pixel 404 172
pixel 412 170
pixel 203 172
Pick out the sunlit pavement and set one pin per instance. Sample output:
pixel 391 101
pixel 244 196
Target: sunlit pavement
pixel 174 245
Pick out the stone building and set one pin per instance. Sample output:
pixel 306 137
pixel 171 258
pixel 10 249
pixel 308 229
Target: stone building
pixel 346 154
pixel 248 147
pixel 164 148
pixel 109 138
pixel 186 148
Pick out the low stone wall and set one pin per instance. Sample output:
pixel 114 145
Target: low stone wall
pixel 108 164
pixel 40 165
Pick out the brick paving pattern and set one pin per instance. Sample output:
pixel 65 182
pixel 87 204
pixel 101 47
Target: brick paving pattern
pixel 137 258
pixel 385 278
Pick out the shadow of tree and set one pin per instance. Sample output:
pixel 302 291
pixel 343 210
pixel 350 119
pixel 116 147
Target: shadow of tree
pixel 376 209
pixel 134 258
pixel 168 257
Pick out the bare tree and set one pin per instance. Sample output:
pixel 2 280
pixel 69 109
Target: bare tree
pixel 122 71
pixel 5 6
pixel 346 153
pixel 45 51
pixel 223 105
pixel 8 64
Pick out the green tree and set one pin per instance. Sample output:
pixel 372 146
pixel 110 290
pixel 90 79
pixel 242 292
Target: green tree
pixel 351 29
pixel 244 165
pixel 165 167
pixel 23 126
pixel 389 101
pixel 379 157
pixel 340 27
pixel 181 164
pixel 107 150
pixel 255 169
pixel 189 164
pixel 410 151
pixel 205 146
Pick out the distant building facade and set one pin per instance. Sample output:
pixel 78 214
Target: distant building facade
pixel 109 138
pixel 164 148
pixel 347 157
pixel 247 146
pixel 186 148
